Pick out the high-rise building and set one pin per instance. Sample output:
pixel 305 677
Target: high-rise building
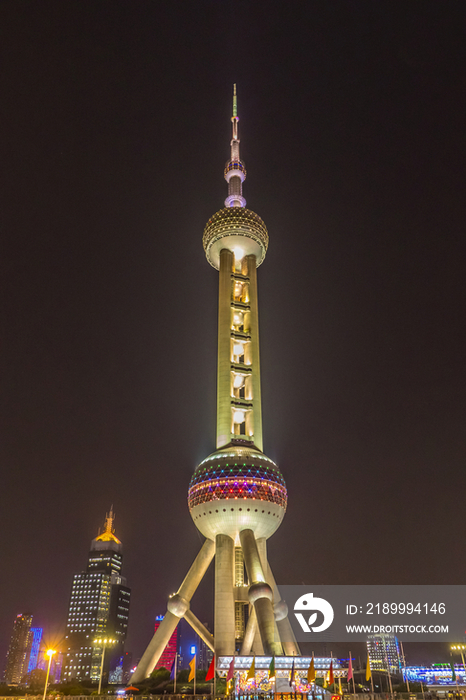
pixel 36 637
pixel 237 496
pixel 384 653
pixel 18 651
pixel 127 665
pixel 57 666
pixel 99 607
pixel 205 654
pixel 168 655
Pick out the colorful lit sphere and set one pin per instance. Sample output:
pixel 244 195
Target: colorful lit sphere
pixel 237 488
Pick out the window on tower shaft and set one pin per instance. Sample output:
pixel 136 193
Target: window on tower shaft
pixel 238 390
pixel 238 321
pixel 238 352
pixel 238 291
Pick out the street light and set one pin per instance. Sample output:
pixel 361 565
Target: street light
pixel 49 653
pixel 104 643
pixel 461 648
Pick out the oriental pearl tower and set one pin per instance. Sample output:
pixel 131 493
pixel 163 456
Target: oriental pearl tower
pixel 237 496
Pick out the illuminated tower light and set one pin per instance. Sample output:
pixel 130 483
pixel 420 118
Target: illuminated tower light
pixel 237 496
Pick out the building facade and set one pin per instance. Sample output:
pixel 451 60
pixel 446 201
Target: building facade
pixel 384 653
pixel 19 649
pixel 436 674
pixel 36 637
pixel 98 610
pixel 168 654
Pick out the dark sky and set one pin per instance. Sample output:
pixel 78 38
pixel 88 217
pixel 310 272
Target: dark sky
pixel 115 127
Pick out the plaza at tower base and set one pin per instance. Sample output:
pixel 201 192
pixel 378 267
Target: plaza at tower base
pixel 284 667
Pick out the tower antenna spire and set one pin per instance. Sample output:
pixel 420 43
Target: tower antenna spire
pixel 235 172
pixel 235 103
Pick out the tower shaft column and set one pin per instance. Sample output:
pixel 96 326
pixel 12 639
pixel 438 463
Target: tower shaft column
pixel 255 356
pixel 224 614
pixel 260 593
pixel 224 349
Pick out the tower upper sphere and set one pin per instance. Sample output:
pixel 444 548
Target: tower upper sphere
pixel 238 229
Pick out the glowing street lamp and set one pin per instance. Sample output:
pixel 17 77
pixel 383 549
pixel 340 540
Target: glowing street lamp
pixel 461 648
pixel 49 653
pixel 104 643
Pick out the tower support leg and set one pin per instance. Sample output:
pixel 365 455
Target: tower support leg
pixel 260 593
pixel 287 638
pixel 262 549
pixel 200 629
pixel 176 608
pixel 224 613
pixel 249 633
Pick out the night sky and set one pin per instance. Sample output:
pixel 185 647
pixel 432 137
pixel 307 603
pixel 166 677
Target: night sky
pixel 115 127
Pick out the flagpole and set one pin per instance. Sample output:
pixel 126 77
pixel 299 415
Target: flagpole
pixel 174 680
pixel 388 667
pixel 331 666
pixel 215 676
pixel 352 676
pixel 404 666
pixel 234 674
pixel 195 669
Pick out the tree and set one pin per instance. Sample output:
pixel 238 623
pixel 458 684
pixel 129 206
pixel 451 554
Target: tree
pixel 35 679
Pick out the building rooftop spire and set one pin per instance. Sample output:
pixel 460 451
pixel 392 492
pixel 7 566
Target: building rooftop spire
pixel 108 534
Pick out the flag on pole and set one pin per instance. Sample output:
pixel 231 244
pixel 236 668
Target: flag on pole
pixel 453 674
pixel 292 673
pixel 331 679
pixel 231 670
pixel 173 671
pixel 325 679
pixel 311 672
pixel 192 666
pixel 368 668
pixel 339 685
pixel 211 671
pixel 350 670
pixel 252 670
pixel 272 669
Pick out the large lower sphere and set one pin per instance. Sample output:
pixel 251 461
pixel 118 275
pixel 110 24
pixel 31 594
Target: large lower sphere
pixel 237 488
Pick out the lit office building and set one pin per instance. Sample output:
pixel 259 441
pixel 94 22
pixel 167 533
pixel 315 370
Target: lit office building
pixel 436 674
pixel 18 651
pixel 99 608
pixel 168 655
pixel 35 640
pixel 384 653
